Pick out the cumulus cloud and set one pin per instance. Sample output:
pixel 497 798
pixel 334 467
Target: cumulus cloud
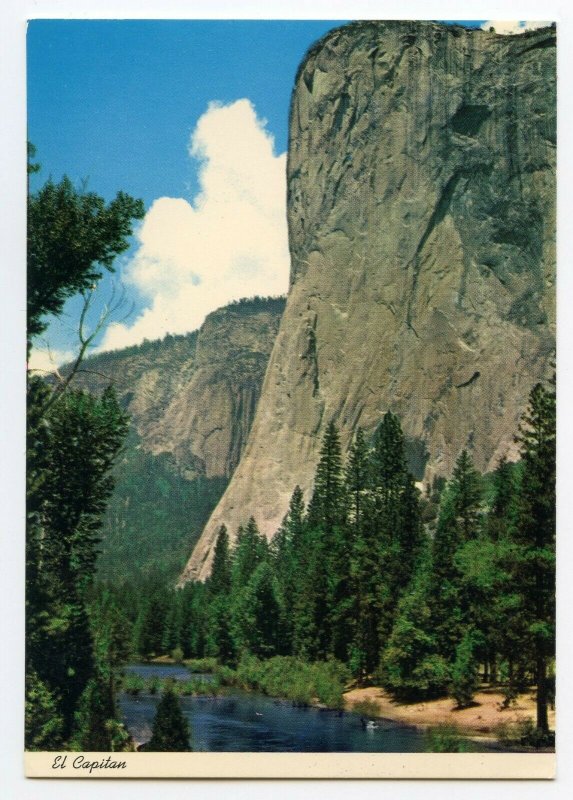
pixel 513 26
pixel 229 242
pixel 44 360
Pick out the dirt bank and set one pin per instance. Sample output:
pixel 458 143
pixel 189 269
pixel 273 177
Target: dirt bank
pixel 481 719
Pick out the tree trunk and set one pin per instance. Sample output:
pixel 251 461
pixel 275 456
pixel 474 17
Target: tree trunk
pixel 541 668
pixel 485 675
pixel 493 669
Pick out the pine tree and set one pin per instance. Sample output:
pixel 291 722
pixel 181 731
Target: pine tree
pixel 465 678
pixel 358 480
pixel 222 627
pixel 534 569
pixel 44 724
pixel 289 555
pixel 170 731
pixel 411 667
pixel 501 515
pixel 150 627
pixel 73 441
pixel 365 562
pixel 467 492
pixel 220 580
pixel 327 587
pixel 195 630
pixel 260 614
pixel 95 709
pixel 327 506
pixel 396 520
pixel 250 550
pixel 459 522
pixel 445 599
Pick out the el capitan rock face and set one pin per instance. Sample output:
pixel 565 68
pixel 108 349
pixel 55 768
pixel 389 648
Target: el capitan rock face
pixel 421 211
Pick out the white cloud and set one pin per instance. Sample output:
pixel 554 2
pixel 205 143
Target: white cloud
pixel 513 26
pixel 44 360
pixel 230 242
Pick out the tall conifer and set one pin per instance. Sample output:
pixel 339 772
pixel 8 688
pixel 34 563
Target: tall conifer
pixel 535 533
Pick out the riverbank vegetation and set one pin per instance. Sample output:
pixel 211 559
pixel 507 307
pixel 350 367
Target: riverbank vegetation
pixel 398 589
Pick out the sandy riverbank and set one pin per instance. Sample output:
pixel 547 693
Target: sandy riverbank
pixel 481 719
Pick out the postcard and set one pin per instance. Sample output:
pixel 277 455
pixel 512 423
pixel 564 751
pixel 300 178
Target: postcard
pixel 291 398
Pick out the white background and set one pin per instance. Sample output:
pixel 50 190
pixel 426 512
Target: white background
pixel 13 14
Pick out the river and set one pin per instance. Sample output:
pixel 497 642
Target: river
pixel 251 722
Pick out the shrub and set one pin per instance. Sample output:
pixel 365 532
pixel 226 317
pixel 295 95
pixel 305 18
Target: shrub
pixel 202 665
pixel 133 684
pixel 445 739
pixel 291 678
pixel 523 733
pixel 367 708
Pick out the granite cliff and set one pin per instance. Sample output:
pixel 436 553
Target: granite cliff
pixel 191 401
pixel 421 212
pixel 194 396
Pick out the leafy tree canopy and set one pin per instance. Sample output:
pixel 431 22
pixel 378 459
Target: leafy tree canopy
pixel 72 236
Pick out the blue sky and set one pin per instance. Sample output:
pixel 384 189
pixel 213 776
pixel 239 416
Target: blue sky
pixel 117 101
pixel 130 105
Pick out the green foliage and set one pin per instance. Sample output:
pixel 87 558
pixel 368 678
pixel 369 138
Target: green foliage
pixel 509 689
pixel 133 684
pixel 170 731
pixel 73 439
pixel 71 448
pixel 220 579
pixel 358 582
pixel 44 723
pixel 465 678
pixel 72 236
pixel 288 551
pixel 149 626
pixel 445 739
pixel 534 566
pixel 327 506
pixel 258 619
pixel 95 707
pixel 154 516
pixel 410 667
pixel 459 522
pixel 295 680
pixel 524 733
pixel 250 551
pixel 202 665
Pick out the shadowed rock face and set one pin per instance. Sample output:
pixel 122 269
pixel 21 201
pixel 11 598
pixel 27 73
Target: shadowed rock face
pixel 195 396
pixel 421 210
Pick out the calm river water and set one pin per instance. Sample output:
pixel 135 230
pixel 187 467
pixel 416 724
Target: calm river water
pixel 250 722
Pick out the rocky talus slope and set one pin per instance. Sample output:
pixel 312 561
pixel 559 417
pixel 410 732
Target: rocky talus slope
pixel 421 211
